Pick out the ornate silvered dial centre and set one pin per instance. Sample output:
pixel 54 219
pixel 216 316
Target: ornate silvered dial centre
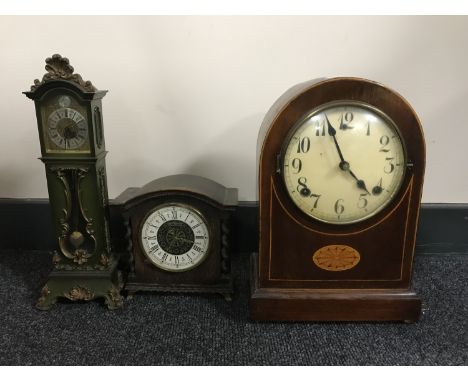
pixel 175 237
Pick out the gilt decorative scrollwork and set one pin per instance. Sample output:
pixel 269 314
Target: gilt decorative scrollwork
pixel 81 174
pixel 113 298
pixel 45 291
pixel 74 244
pixel 59 68
pixel 79 293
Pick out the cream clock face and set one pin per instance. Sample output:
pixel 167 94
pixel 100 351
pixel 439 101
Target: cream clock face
pixel 175 237
pixel 343 162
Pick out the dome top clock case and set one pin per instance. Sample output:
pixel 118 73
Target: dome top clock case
pixel 341 167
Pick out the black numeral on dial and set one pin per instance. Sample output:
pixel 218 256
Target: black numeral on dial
pixel 303 145
pixel 339 206
pixel 296 164
pixel 384 141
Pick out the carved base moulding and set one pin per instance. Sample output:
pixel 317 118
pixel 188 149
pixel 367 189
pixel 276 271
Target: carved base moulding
pixel 285 304
pixel 82 286
pixel 224 289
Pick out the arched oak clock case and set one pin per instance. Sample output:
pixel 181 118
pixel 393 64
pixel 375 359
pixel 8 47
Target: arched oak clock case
pixel 287 280
pixel 178 230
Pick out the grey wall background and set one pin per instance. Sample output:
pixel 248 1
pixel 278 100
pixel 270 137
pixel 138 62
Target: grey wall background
pixel 188 93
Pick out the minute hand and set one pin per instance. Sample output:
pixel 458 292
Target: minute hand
pixel 332 133
pixel 343 164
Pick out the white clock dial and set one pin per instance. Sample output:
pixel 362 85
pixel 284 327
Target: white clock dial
pixel 175 237
pixel 67 128
pixel 343 162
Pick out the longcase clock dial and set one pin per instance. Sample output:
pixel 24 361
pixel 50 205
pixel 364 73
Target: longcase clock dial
pixel 66 126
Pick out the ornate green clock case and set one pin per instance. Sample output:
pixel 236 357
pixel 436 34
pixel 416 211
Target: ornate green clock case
pixel 178 235
pixel 341 167
pixel 69 118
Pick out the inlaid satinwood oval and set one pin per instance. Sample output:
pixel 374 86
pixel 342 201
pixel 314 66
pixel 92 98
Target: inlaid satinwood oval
pixel 336 257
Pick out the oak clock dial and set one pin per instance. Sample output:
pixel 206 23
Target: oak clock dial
pixel 343 162
pixel 175 237
pixel 341 167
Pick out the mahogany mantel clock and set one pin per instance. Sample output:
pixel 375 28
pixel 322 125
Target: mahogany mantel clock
pixel 178 235
pixel 341 170
pixel 69 119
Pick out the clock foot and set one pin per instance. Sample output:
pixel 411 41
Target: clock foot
pixel 113 299
pixel 227 296
pixel 46 300
pixel 78 285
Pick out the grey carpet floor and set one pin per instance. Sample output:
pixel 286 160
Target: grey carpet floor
pixel 155 329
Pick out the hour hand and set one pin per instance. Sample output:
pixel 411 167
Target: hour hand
pixel 377 189
pixel 360 183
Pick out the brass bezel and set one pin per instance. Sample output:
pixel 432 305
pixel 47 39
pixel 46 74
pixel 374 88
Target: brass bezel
pixel 317 110
pixel 50 99
pixel 187 207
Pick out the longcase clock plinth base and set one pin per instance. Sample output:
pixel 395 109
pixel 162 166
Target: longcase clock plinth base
pixel 290 304
pixel 82 285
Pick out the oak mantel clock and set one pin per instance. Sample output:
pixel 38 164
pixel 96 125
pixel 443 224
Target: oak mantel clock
pixel 341 168
pixel 69 118
pixel 178 235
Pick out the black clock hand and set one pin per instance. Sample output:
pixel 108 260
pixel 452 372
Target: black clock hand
pixel 186 240
pixel 360 183
pixel 332 133
pixel 376 190
pixel 343 164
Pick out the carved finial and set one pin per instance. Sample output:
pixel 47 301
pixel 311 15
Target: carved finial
pixel 59 67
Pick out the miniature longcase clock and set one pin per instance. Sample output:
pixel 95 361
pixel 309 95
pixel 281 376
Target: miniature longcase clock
pixel 341 168
pixel 69 118
pixel 178 235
